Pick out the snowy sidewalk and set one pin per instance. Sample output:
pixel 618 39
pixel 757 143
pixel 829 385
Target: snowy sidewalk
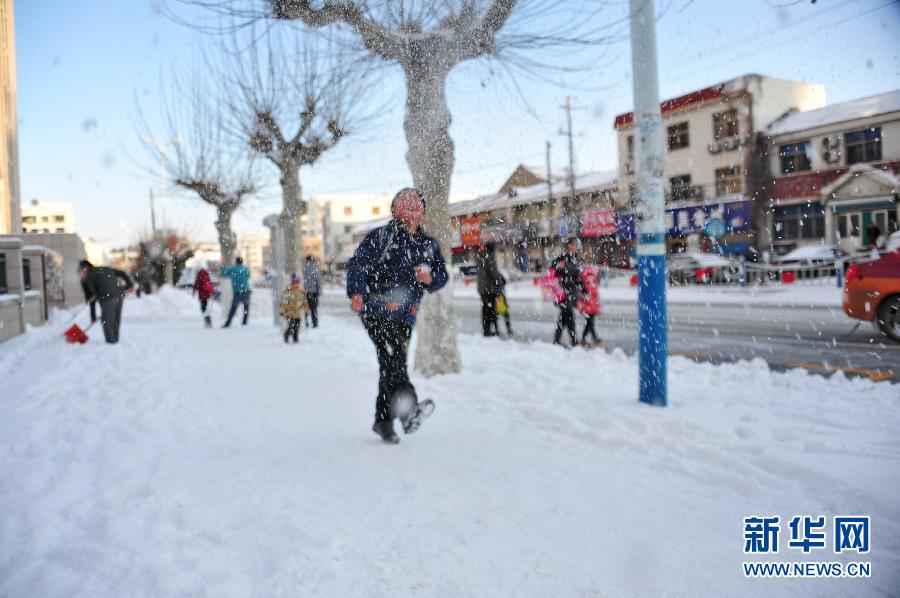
pixel 193 462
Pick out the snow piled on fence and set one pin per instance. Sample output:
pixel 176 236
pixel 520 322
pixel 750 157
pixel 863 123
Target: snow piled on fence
pixel 193 462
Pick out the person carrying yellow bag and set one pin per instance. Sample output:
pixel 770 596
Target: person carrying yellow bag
pixel 292 307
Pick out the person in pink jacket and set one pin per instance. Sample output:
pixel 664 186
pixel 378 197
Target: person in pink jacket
pixel 589 303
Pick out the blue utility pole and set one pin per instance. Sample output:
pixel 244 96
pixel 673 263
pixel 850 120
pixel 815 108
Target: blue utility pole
pixel 650 211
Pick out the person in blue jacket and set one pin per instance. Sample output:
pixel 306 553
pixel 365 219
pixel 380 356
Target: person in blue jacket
pixel 392 268
pixel 240 288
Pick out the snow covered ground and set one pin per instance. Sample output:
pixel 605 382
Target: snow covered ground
pixel 193 462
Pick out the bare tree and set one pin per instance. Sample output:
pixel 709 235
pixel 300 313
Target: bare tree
pixel 292 99
pixel 427 39
pixel 202 159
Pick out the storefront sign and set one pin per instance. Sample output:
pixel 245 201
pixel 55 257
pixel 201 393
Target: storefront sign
pixel 599 223
pixel 681 222
pixel 470 231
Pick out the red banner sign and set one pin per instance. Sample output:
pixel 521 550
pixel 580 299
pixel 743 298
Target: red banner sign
pixel 600 223
pixel 470 231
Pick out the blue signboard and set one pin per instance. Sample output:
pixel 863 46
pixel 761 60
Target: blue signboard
pixel 625 226
pixel 684 221
pixel 567 226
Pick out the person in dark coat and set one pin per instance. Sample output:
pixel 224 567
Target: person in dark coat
pixel 312 281
pixel 390 271
pixel 490 281
pixel 102 286
pixel 567 269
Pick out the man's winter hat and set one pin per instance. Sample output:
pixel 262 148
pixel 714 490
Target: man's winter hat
pixel 405 190
pixel 238 260
pixel 295 278
pixel 85 265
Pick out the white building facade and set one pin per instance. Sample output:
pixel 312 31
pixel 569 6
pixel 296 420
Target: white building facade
pixel 833 173
pixel 712 168
pixel 48 217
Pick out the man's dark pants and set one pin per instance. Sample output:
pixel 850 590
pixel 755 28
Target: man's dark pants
pixel 111 318
pixel 391 340
pixel 312 299
pixel 488 313
pixel 239 298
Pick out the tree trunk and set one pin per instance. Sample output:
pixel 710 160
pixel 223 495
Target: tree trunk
pixel 292 210
pixel 430 159
pixel 227 238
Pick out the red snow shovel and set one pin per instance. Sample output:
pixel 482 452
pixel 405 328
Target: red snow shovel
pixel 74 334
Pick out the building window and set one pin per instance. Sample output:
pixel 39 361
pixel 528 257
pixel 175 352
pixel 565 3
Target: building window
pixel 794 157
pixel 678 136
pixel 728 180
pixel 60 230
pixel 681 188
pixel 3 288
pixel 725 125
pixel 630 147
pixel 26 273
pixel 376 210
pixel 45 219
pixel 58 218
pixel 27 219
pixel 348 210
pixel 863 146
pixel 805 221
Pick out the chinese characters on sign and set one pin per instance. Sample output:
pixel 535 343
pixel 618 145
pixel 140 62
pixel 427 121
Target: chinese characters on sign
pixel 851 534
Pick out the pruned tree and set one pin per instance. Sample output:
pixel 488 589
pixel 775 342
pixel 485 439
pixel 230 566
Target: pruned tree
pixel 201 158
pixel 291 98
pixel 427 39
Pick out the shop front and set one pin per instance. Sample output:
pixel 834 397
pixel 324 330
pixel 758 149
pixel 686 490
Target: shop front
pixel 861 208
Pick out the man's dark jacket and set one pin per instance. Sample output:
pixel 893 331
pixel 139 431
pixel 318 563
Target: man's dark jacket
pixel 102 284
pixel 383 271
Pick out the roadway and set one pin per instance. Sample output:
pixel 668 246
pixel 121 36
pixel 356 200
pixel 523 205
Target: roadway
pixel 820 339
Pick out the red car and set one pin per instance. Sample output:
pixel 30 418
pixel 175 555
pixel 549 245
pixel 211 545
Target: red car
pixel 872 293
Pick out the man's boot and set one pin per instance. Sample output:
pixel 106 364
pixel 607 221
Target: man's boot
pixel 208 321
pixel 385 429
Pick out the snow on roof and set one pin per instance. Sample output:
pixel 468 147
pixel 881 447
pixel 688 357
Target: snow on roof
pixel 861 108
pixel 533 193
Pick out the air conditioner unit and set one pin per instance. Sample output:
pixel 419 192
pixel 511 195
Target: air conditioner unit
pixel 831 142
pixel 697 192
pixel 732 143
pixel 715 147
pixel 831 156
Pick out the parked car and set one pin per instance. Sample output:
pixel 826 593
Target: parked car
pixel 872 293
pixel 466 271
pixel 690 267
pixel 811 255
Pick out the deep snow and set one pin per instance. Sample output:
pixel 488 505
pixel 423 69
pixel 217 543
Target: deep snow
pixel 193 462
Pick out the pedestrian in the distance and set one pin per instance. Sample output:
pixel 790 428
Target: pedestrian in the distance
pixel 312 281
pixel 102 285
pixel 292 307
pixel 567 269
pixel 240 288
pixel 589 304
pixel 490 281
pixel 203 288
pixel 386 278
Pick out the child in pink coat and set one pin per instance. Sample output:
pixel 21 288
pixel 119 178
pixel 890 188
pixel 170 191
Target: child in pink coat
pixel 589 303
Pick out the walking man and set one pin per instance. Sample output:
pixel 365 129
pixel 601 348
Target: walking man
pixel 312 280
pixel 386 278
pixel 101 285
pixel 490 281
pixel 240 288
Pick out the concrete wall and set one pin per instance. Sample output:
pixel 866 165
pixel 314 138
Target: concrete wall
pixel 71 248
